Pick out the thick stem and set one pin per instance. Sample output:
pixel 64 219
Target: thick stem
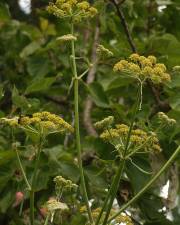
pixel 77 132
pixel 114 190
pixel 145 188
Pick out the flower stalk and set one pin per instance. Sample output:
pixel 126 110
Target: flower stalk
pixel 115 183
pixel 77 132
pixel 32 192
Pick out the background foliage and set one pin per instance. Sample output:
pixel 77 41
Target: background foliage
pixel 35 75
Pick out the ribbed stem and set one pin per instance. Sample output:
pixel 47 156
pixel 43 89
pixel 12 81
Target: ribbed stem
pixel 77 132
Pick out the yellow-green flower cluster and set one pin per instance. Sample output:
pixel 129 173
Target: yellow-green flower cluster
pixel 125 219
pixel 75 9
pixel 176 68
pixel 165 120
pixel 143 68
pixel 105 123
pixel 138 139
pixel 45 120
pixel 67 37
pixel 53 205
pixel 122 218
pixel 62 183
pixel 12 122
pixel 48 121
pixel 102 51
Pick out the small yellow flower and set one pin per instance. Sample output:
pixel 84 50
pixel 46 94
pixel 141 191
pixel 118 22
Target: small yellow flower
pixel 24 121
pixel 48 125
pixel 101 50
pixel 35 120
pixel 92 11
pixel 134 57
pixel 136 139
pixel 109 135
pixel 134 68
pixel 161 66
pixel 106 122
pixel 118 67
pixel 53 205
pixel 66 7
pixel 152 59
pixel 165 120
pixel 156 148
pixel 67 37
pixel 83 5
pixel 146 62
pixel 166 77
pixel 147 71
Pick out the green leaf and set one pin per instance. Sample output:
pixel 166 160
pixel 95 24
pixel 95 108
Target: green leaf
pixel 98 95
pixel 6 200
pixel 138 179
pixel 30 49
pixel 40 85
pixel 39 65
pixel 119 82
pixel 175 82
pixel 19 100
pixel 5 156
pixel 175 101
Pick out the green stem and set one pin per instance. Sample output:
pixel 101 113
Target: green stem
pixel 114 190
pixel 32 192
pixel 77 132
pixel 21 208
pixel 115 184
pixel 145 188
pixel 22 170
pixel 47 219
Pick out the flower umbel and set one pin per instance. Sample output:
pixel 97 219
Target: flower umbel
pixel 53 205
pixel 165 120
pixel 63 184
pixel 139 139
pixel 67 37
pixel 102 51
pixel 105 123
pixel 142 68
pixel 44 121
pixel 75 9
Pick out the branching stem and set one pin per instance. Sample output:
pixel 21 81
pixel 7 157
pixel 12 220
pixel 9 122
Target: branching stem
pixel 146 187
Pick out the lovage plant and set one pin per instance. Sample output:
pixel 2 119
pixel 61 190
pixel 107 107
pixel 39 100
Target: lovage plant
pixel 126 139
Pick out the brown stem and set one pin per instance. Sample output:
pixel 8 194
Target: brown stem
pixel 124 24
pixel 90 78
